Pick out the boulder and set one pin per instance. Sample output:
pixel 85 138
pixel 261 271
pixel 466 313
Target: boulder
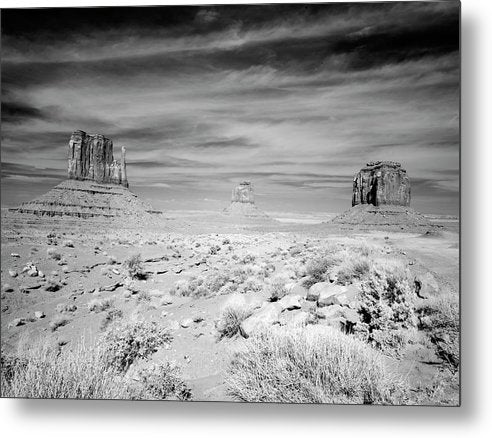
pixel 39 315
pixel 12 273
pixel 185 323
pixel 328 295
pixel 426 285
pixel 348 297
pixel 290 302
pixel 295 318
pixel 268 315
pixel 315 290
pixel 7 288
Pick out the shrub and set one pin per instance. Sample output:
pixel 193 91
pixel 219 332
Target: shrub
pixel 81 373
pixel 134 267
pixel 353 269
pixel 386 306
pixel 314 364
pixel 53 253
pixel 99 305
pixel 163 381
pixel 277 289
pixel 439 317
pixel 234 312
pixel 58 321
pixel 317 269
pixel 124 343
pixel 110 316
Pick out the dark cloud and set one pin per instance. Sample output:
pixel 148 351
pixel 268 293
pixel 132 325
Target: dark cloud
pixel 294 97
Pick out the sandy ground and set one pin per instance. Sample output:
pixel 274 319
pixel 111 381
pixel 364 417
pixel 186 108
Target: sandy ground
pixel 181 250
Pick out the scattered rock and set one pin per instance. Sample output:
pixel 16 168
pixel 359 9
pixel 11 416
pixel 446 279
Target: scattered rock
pixel 426 285
pixel 12 273
pixel 17 322
pixel 185 323
pixel 328 295
pixel 315 289
pixel 290 302
pixel 7 288
pixel 15 255
pixel 167 300
pixel 265 317
pixel 39 315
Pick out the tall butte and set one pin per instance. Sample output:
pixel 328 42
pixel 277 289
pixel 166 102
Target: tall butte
pixel 97 186
pixel 381 196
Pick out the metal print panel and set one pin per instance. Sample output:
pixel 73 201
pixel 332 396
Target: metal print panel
pixel 253 203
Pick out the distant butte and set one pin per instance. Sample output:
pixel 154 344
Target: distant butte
pixel 243 203
pixel 381 183
pixel 381 197
pixel 97 186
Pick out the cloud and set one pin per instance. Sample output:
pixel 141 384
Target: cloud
pixel 294 97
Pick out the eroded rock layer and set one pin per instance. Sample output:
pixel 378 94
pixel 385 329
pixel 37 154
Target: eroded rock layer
pixel 381 183
pixel 88 200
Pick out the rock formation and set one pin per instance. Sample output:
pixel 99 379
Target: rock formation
pixel 96 188
pixel 243 203
pixel 243 193
pixel 90 157
pixel 381 197
pixel 381 183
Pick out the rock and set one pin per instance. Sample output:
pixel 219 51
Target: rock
pixel 39 315
pixel 16 322
pixel 167 300
pixel 295 318
pixel 12 273
pixel 265 317
pixel 243 203
pixel 185 323
pixel 173 325
pixel 32 273
pixel 329 295
pixel 426 285
pixel 381 183
pixel 67 243
pixel 41 274
pixel 91 158
pixel 349 296
pixel 164 314
pixel 315 289
pixel 290 302
pixel 7 288
pixel 15 255
pixel 297 289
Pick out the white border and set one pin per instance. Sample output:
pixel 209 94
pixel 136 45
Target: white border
pixel 20 418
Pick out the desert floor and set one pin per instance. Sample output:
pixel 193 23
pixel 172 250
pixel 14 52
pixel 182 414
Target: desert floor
pixel 87 262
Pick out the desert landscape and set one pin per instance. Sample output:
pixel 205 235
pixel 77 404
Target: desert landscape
pixel 232 306
pixel 264 218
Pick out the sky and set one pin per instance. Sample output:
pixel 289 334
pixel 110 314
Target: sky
pixel 294 98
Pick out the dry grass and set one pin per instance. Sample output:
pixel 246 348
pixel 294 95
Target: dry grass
pixel 234 312
pixel 82 373
pixel 439 317
pixel 311 365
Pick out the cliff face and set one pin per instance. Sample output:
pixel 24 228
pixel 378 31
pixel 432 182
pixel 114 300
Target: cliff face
pixel 381 183
pixel 90 157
